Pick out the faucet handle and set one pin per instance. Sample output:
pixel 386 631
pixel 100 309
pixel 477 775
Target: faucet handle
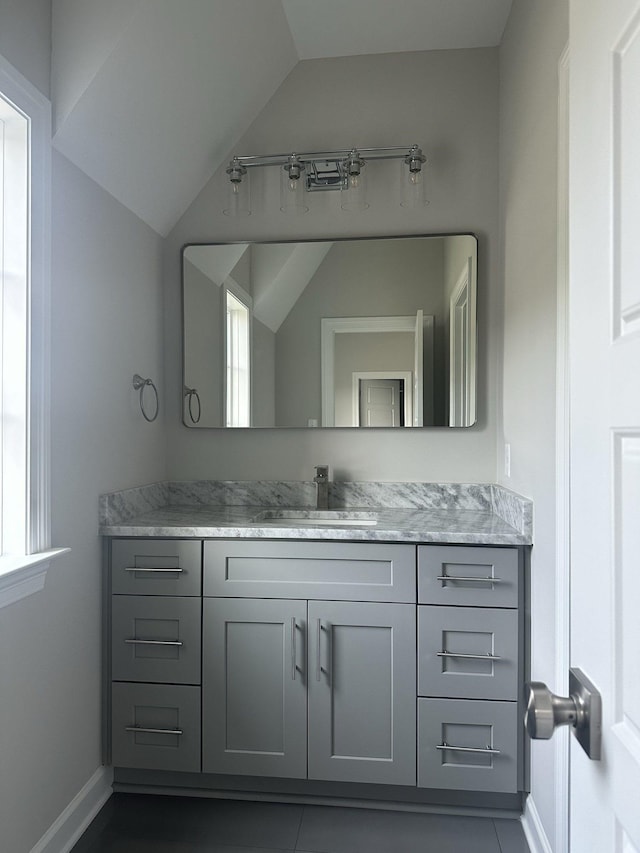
pixel 322 472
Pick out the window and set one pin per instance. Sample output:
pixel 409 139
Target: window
pixel 238 357
pixel 25 121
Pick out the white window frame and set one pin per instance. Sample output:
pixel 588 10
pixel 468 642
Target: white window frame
pixel 241 296
pixel 23 568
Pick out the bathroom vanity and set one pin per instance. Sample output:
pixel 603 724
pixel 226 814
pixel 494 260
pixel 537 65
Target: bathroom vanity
pixel 355 653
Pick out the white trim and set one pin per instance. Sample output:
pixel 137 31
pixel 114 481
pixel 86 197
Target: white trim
pixel 534 830
pixel 462 412
pixel 37 108
pixel 245 299
pixel 22 576
pixel 329 328
pixel 563 506
pixel 65 831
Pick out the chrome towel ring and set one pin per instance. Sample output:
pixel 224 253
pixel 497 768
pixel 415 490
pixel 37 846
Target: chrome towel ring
pixel 140 384
pixel 192 393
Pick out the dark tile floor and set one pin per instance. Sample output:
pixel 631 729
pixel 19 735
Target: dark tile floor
pixel 136 823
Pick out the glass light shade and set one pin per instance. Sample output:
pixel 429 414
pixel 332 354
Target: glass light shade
pixel 239 197
pixel 292 193
pixel 413 187
pixel 353 195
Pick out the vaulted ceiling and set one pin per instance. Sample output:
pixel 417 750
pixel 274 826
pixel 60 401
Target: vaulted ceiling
pixel 150 96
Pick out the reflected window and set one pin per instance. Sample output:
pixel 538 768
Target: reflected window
pixel 238 360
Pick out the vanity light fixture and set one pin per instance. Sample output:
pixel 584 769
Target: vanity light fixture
pixel 320 171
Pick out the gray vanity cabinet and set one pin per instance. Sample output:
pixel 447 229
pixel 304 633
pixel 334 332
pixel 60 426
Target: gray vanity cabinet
pixel 254 694
pixel 362 687
pixel 328 661
pixel 268 662
pixel 470 662
pixel 155 648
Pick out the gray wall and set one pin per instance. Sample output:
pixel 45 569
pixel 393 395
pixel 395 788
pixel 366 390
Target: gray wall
pixel 204 361
pixel 534 39
pixel 446 100
pixel 25 39
pixel 106 325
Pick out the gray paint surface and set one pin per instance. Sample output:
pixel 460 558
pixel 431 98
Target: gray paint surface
pixel 458 92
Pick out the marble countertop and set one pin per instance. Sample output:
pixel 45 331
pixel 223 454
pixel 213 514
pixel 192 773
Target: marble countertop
pixel 456 526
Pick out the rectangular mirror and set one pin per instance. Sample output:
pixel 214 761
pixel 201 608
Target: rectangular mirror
pixel 342 333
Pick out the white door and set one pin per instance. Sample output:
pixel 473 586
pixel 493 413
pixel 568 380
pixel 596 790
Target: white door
pixel 605 413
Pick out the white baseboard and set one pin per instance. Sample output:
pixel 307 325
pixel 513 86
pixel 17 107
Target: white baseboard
pixel 534 830
pixel 69 826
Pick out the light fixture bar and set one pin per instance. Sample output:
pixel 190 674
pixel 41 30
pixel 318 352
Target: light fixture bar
pixel 390 153
pixel 342 169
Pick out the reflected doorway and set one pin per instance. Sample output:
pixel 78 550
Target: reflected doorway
pixel 382 399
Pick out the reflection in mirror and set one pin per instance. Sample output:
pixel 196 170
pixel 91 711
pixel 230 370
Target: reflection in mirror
pixel 347 333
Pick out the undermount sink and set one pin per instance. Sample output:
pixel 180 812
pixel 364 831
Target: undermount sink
pixel 316 518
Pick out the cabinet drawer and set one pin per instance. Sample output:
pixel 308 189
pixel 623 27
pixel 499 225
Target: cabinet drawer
pixel 156 726
pixel 156 566
pixel 472 577
pixel 344 571
pixel 467 651
pixel 467 745
pixel 156 639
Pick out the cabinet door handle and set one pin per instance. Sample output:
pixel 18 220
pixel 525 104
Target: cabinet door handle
pixel 149 731
pixel 135 642
pixel 488 656
pixel 293 648
pixel 486 751
pixel 138 569
pixel 468 580
pixel 318 667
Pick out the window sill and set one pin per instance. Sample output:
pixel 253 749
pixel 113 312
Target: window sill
pixel 23 575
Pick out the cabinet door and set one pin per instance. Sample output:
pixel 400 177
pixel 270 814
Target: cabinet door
pixel 362 692
pixel 254 695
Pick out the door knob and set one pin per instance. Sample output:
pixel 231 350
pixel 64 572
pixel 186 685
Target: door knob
pixel 582 710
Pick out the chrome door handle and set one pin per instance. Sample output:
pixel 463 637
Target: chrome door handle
pixel 582 710
pixel 319 668
pixel 293 648
pixel 135 642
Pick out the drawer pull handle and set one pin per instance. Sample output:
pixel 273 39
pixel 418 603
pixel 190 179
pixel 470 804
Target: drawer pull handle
pixel 135 642
pixel 139 569
pixel 488 656
pixel 468 580
pixel 474 750
pixel 149 731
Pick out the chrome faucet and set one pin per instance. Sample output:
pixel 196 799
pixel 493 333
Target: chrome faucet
pixel 322 486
